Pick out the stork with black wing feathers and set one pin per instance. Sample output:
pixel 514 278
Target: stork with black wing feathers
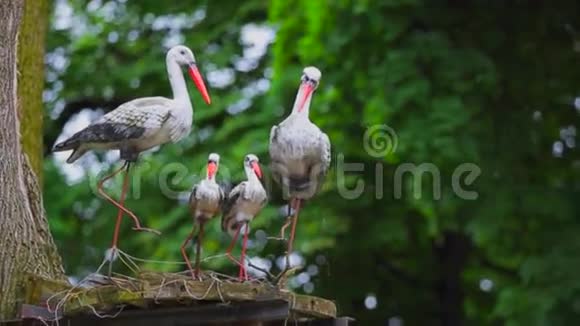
pixel 243 203
pixel 299 153
pixel 139 125
pixel 205 202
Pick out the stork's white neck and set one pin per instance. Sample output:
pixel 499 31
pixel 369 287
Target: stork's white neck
pixel 211 178
pixel 251 175
pixel 177 81
pixel 306 109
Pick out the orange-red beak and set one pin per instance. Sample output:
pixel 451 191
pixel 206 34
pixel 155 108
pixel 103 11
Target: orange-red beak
pixel 307 90
pixel 198 80
pixel 257 170
pixel 211 169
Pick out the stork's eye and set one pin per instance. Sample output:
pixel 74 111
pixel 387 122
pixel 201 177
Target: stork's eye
pixel 182 52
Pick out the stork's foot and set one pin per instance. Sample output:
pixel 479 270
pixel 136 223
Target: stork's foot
pixel 113 282
pixel 243 276
pixel 282 236
pixel 110 256
pixel 277 239
pixel 148 230
pixel 196 274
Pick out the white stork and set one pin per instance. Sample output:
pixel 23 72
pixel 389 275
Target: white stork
pixel 299 152
pixel 141 124
pixel 244 202
pixel 205 202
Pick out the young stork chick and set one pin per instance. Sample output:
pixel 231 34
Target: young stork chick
pixel 204 203
pixel 243 203
pixel 141 124
pixel 299 151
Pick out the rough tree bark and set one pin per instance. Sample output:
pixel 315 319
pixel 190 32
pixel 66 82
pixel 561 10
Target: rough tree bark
pixel 26 245
pixel 30 55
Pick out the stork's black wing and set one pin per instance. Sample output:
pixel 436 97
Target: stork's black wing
pixel 230 202
pixel 101 133
pixel 193 198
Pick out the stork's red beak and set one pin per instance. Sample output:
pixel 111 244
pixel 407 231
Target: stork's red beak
pixel 198 80
pixel 307 90
pixel 211 169
pixel 257 170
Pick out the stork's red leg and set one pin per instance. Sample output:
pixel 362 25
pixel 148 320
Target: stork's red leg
pixel 231 247
pixel 120 205
pixel 297 203
pixel 184 251
pixel 120 213
pixel 198 249
pixel 103 180
pixel 243 273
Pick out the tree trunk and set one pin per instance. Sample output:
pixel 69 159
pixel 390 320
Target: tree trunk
pixel 452 254
pixel 31 40
pixel 25 241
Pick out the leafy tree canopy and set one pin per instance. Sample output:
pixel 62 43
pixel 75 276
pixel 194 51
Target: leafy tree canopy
pixel 458 82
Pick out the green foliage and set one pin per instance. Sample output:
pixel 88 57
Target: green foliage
pixel 490 84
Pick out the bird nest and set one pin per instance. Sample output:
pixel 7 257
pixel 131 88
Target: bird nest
pixel 108 296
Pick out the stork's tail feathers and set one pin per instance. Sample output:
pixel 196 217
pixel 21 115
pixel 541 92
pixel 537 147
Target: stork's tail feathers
pixel 71 143
pixel 299 183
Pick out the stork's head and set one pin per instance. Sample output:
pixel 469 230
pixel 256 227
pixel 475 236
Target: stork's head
pixel 251 162
pixel 213 162
pixel 182 55
pixel 309 82
pixel 185 58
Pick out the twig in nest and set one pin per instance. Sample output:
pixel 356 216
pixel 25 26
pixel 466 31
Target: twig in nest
pixel 92 280
pixel 277 239
pixel 218 288
pixel 44 322
pixel 131 282
pixel 224 277
pixel 281 279
pixel 123 283
pixel 103 316
pixel 203 296
pixel 128 261
pixel 213 257
pixel 165 262
pixel 159 291
pixel 48 306
pixel 266 272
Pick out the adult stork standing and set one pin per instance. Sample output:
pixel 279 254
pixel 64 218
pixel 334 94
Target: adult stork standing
pixel 139 125
pixel 299 153
pixel 205 202
pixel 244 202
